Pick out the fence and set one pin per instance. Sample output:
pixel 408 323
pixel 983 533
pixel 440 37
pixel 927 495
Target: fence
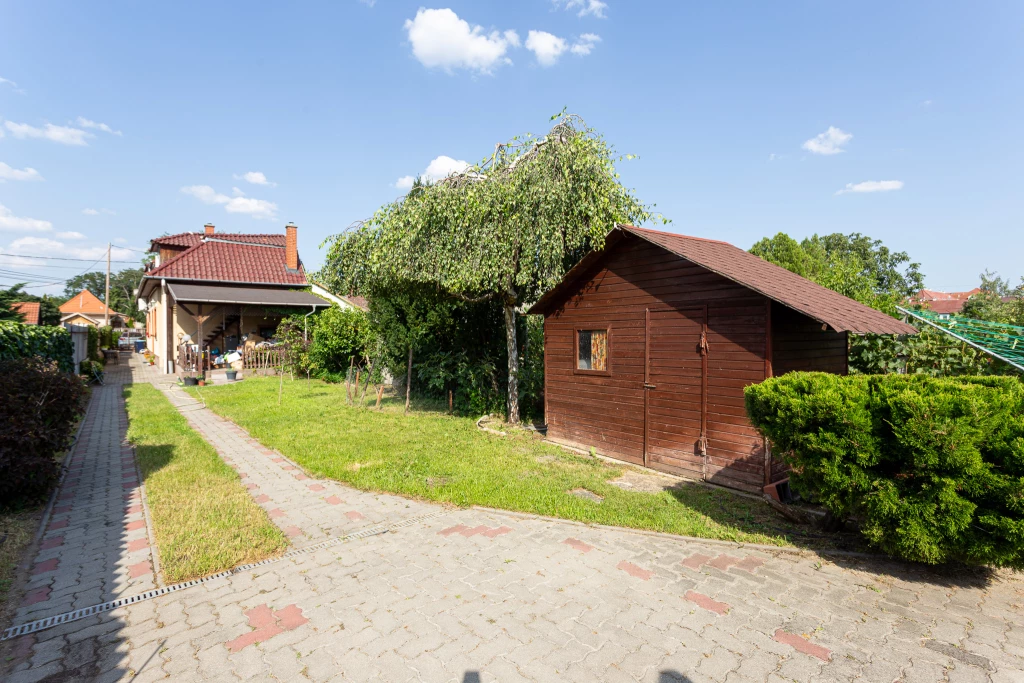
pixel 262 359
pixel 79 344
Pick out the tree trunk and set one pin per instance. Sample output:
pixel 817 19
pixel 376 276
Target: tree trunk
pixel 513 363
pixel 408 380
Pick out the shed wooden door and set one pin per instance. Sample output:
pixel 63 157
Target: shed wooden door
pixel 675 395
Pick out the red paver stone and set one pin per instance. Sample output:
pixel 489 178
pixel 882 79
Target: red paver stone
pixel 251 487
pixel 300 477
pixel 316 487
pixel 67 496
pixel 60 509
pixel 133 510
pixel 354 516
pixel 54 542
pixel 22 649
pixel 136 525
pixel 290 617
pixel 706 602
pixel 258 636
pixel 467 531
pixel 491 533
pixel 129 484
pixel 260 616
pixel 138 544
pixel 292 531
pixel 243 475
pixel 263 498
pixel 334 500
pixel 633 570
pixel 695 561
pixel 452 530
pixel 47 566
pixel 140 569
pixel 749 563
pixel 276 512
pixel 801 644
pixel 60 524
pixel 723 562
pixel 36 596
pixel 578 545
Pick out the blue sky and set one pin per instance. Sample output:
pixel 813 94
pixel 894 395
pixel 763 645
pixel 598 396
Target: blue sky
pixel 748 118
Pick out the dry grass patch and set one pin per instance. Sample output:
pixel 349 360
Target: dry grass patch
pixel 203 518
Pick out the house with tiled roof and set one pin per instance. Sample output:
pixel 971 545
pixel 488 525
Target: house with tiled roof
pixel 944 302
pixel 29 311
pixel 85 308
pixel 207 293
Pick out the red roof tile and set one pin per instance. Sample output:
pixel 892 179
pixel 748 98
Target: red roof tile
pixel 944 305
pixel 229 260
pixel 29 311
pixel 85 302
pixel 837 311
pixel 191 239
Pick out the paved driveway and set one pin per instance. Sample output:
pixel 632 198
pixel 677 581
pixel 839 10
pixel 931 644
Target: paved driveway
pixel 383 588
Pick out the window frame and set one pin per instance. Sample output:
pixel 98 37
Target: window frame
pixel 576 370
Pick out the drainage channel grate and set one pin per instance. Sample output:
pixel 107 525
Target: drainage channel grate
pixel 75 615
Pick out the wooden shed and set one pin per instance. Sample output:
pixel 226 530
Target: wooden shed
pixel 649 342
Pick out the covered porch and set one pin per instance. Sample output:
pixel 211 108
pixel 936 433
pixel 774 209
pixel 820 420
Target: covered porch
pixel 217 326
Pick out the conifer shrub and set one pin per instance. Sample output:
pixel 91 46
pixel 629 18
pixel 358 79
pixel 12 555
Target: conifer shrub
pixel 931 468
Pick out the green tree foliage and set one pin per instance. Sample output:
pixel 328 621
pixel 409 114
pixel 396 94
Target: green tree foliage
pixel 504 230
pixel 9 297
pixel 122 288
pixel 932 468
pixel 336 336
pixel 18 340
pixel 49 306
pixel 998 301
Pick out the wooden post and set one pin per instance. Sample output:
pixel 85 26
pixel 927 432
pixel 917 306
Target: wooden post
pixel 450 411
pixel 348 379
pixel 408 379
pixel 380 395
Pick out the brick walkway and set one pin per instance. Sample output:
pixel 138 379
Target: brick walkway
pixel 489 596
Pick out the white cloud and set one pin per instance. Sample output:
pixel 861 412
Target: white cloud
pixel 440 38
pixel 8 173
pixel 547 47
pixel 6 81
pixel 97 212
pixel 872 186
pixel 927 103
pixel 256 178
pixel 86 123
pixel 585 44
pixel 257 208
pixel 8 221
pixel 38 246
pixel 594 8
pixel 70 235
pixel 831 141
pixel 62 134
pixel 438 169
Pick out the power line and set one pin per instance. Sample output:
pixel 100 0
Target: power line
pixel 62 258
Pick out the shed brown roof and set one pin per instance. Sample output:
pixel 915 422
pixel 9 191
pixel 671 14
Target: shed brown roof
pixel 840 313
pixel 29 311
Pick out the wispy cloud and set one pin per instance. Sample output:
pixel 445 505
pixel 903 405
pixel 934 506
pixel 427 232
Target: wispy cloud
pixel 440 39
pixel 257 208
pixel 593 8
pixel 585 44
pixel 440 168
pixel 546 47
pixel 872 186
pixel 256 178
pixel 86 123
pixel 61 134
pixel 97 212
pixel 832 141
pixel 9 173
pixel 8 221
pixel 70 235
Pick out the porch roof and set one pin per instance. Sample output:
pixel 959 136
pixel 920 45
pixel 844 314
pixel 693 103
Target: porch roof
pixel 249 296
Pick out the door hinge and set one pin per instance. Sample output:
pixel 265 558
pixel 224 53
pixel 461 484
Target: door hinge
pixel 704 343
pixel 702 445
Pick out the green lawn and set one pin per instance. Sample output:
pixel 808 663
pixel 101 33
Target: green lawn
pixel 433 456
pixel 203 518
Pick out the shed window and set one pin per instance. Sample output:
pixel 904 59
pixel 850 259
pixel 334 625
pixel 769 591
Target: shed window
pixel 592 350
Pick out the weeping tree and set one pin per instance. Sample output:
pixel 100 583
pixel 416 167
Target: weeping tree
pixel 505 229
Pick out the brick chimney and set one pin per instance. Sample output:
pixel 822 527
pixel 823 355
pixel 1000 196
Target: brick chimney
pixel 208 228
pixel 291 247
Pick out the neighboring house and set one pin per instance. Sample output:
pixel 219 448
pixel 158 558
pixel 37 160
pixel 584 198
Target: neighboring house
pixel 221 289
pixel 85 308
pixel 29 311
pixel 649 343
pixel 944 302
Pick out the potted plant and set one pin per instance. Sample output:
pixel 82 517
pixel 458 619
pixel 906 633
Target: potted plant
pixel 232 375
pixel 202 383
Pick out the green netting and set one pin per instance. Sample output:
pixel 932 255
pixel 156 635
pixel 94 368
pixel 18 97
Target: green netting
pixel 1002 341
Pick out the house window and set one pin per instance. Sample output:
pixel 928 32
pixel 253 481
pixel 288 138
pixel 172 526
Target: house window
pixel 592 350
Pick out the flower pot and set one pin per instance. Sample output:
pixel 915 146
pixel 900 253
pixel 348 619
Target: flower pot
pixel 202 383
pixel 190 381
pixel 232 375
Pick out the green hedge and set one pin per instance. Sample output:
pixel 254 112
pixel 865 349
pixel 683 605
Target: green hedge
pixel 18 340
pixel 933 468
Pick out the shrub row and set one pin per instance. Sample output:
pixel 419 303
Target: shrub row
pixel 39 404
pixel 932 468
pixel 18 340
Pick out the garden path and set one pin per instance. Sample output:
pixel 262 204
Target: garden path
pixel 479 595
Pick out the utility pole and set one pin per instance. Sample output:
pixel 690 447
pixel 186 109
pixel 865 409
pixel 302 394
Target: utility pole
pixel 106 301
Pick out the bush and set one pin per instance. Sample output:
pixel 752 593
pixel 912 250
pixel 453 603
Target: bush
pixel 92 348
pixel 337 336
pixel 39 405
pixel 18 340
pixel 932 467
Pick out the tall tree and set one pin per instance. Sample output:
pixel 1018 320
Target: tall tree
pixel 505 229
